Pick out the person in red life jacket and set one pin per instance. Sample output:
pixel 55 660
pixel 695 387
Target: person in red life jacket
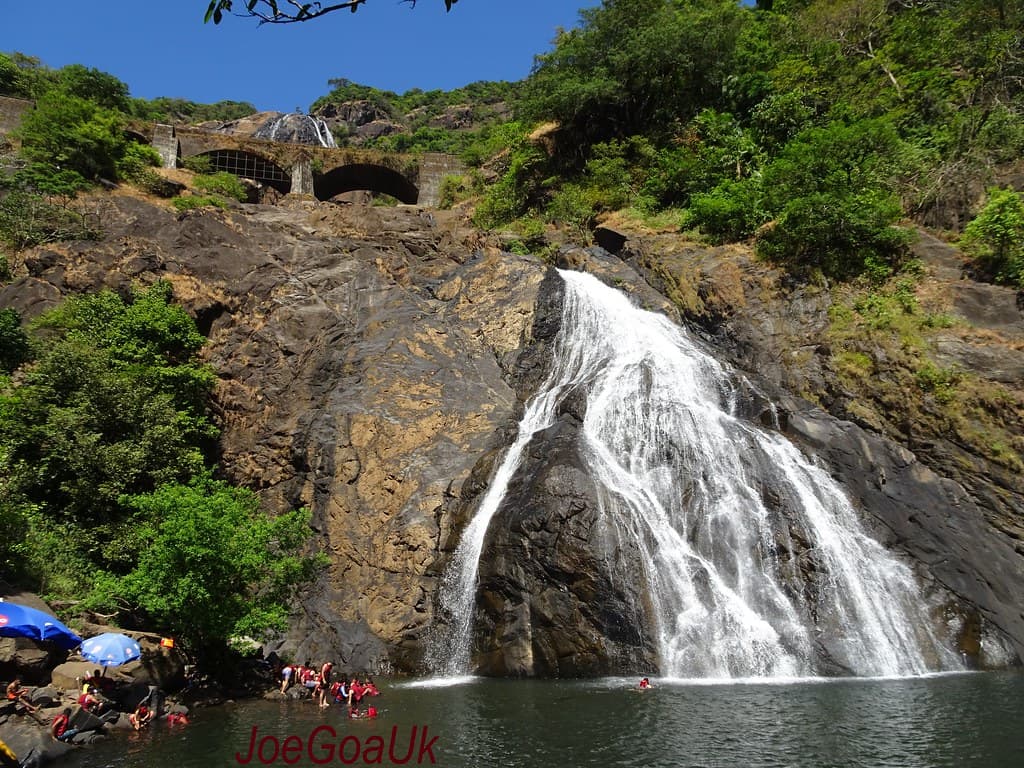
pixel 645 684
pixel 90 703
pixel 140 717
pixel 59 727
pixel 308 676
pixel 177 718
pixel 369 689
pixel 99 680
pixel 371 711
pixel 356 690
pixel 323 683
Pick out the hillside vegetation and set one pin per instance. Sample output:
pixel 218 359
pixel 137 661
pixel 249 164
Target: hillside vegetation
pixel 813 127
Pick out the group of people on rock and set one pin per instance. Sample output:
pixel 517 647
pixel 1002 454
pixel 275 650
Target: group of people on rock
pixel 328 691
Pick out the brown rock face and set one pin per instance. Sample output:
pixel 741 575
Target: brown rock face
pixel 361 355
pixel 373 363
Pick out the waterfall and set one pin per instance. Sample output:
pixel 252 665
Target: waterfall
pixel 756 563
pixel 296 128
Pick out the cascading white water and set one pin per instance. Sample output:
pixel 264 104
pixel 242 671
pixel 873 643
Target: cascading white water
pixel 740 586
pixel 297 128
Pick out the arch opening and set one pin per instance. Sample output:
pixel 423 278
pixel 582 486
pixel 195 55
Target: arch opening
pixel 246 165
pixel 359 176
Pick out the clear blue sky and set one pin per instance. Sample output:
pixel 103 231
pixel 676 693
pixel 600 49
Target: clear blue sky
pixel 163 48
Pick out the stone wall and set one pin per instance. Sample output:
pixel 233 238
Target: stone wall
pixel 434 166
pixel 11 111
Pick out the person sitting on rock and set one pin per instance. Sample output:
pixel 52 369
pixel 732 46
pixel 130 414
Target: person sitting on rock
pixel 140 717
pixel 18 694
pixel 99 680
pixel 59 727
pixel 91 703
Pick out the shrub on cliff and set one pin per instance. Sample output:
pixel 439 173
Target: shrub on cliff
pixel 222 183
pixel 28 219
pixel 114 404
pixel 71 133
pixel 996 237
pixel 211 565
pixel 14 347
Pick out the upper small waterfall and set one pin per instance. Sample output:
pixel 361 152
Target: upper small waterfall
pixel 756 564
pixel 296 128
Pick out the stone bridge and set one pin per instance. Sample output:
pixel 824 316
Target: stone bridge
pixel 310 170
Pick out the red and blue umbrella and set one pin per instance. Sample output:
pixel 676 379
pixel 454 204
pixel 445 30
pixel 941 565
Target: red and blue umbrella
pixel 110 649
pixel 21 621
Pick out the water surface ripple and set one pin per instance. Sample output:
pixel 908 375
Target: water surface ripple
pixel 958 720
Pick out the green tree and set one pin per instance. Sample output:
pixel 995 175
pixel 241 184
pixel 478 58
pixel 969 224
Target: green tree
pixel 71 133
pixel 996 236
pixel 101 89
pixel 14 347
pixel 114 405
pixel 634 67
pixel 831 194
pixel 211 565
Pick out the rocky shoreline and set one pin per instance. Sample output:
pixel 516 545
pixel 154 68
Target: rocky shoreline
pixel 161 679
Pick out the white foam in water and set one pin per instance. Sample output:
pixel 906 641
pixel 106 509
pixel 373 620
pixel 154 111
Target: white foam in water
pixel 681 483
pixel 438 682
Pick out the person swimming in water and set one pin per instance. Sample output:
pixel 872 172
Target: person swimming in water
pixel 645 684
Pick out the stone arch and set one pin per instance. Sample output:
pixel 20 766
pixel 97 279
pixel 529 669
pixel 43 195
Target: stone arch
pixel 376 178
pixel 247 165
pixel 138 138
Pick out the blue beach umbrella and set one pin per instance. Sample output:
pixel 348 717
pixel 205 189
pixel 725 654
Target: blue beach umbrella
pixel 110 649
pixel 22 621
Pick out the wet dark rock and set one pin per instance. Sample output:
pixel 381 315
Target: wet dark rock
pixel 547 604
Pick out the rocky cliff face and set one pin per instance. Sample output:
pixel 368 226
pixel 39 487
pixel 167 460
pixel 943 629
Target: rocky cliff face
pixel 373 363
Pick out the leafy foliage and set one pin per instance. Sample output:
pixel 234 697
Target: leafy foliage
pixel 169 110
pixel 28 219
pixel 996 236
pixel 211 566
pixel 194 202
pixel 114 404
pixel 634 67
pixel 796 117
pixel 72 133
pixel 14 348
pixel 105 488
pixel 221 183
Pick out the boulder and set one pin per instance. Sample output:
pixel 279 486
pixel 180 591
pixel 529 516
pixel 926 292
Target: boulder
pixel 26 659
pixel 69 675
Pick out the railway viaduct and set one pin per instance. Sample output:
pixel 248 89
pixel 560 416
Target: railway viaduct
pixel 322 172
